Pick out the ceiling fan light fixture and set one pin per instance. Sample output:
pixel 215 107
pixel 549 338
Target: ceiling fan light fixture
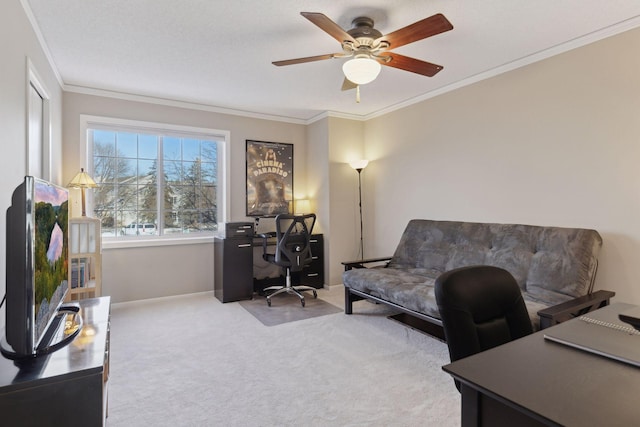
pixel 361 70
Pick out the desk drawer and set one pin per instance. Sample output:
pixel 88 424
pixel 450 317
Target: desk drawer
pixel 236 229
pixel 316 281
pixel 313 274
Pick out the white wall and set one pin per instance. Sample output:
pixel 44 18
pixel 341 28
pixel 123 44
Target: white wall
pixel 554 143
pixel 163 271
pixel 17 43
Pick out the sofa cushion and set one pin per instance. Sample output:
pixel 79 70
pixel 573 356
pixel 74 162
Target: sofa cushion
pixel 565 261
pixel 409 288
pixel 552 258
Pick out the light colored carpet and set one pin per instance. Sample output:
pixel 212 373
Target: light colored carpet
pixel 193 361
pixel 287 308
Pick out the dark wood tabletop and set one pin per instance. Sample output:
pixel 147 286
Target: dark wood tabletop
pixel 554 383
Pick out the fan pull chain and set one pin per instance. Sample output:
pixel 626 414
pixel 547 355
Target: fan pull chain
pixel 358 94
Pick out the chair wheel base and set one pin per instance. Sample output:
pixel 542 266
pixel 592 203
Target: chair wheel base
pixel 290 290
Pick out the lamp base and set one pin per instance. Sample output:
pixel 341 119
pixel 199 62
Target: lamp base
pixel 84 210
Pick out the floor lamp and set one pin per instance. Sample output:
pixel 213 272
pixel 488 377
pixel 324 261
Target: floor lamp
pixel 358 165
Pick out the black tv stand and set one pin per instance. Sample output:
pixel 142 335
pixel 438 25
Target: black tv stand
pixel 67 386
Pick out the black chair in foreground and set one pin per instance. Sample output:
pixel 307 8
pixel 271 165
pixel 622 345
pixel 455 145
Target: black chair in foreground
pixel 293 252
pixel 481 307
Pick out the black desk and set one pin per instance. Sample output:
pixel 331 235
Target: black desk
pixel 532 381
pixel 239 269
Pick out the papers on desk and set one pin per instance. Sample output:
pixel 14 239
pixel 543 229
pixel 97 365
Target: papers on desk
pixel 600 332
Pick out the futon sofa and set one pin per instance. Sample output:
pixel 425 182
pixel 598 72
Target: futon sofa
pixel 555 268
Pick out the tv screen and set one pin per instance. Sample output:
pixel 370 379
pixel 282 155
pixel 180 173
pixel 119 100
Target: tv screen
pixel 51 262
pixel 37 262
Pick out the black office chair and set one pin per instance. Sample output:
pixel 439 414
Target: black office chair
pixel 481 307
pixel 293 252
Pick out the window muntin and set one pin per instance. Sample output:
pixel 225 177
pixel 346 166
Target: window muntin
pixel 132 166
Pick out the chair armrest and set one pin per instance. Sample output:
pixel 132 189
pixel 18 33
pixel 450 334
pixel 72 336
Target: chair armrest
pixel 348 265
pixel 576 307
pixel 265 239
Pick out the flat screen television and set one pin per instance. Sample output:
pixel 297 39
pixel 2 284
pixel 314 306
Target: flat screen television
pixel 37 265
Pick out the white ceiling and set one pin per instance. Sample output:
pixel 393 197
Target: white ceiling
pixel 219 53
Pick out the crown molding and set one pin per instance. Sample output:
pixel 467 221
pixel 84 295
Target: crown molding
pixel 179 104
pixel 336 114
pixel 43 44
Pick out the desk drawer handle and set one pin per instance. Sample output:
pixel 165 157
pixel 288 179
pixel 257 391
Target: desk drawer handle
pixel 245 245
pixel 312 274
pixel 313 240
pixel 314 257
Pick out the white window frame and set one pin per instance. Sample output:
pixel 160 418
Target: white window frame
pixel 86 158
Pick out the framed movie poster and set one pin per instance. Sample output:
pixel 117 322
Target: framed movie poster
pixel 269 178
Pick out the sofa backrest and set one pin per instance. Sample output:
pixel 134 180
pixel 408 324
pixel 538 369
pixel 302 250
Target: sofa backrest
pixel 542 259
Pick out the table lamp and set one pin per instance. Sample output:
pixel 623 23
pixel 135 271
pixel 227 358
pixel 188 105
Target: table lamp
pixel 82 181
pixel 302 206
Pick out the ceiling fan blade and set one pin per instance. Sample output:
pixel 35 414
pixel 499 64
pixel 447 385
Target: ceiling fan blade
pixel 411 64
pixel 427 27
pixel 307 59
pixel 348 84
pixel 328 26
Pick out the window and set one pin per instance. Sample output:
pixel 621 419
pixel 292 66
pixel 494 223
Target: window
pixel 156 180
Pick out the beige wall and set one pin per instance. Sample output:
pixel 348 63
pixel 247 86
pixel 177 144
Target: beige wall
pixel 163 271
pixel 554 143
pixel 345 139
pixel 332 143
pixel 141 273
pixel 17 43
pixel 318 188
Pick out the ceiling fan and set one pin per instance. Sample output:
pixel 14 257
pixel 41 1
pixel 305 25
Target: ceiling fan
pixel 369 49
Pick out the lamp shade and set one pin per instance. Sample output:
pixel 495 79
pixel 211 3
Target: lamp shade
pixel 302 206
pixel 359 164
pixel 82 180
pixel 361 70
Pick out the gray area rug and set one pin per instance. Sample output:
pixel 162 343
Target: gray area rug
pixel 287 308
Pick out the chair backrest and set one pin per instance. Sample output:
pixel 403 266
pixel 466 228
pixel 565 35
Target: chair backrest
pixel 293 240
pixel 481 307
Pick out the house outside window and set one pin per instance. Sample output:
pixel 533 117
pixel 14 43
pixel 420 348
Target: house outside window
pixel 156 180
